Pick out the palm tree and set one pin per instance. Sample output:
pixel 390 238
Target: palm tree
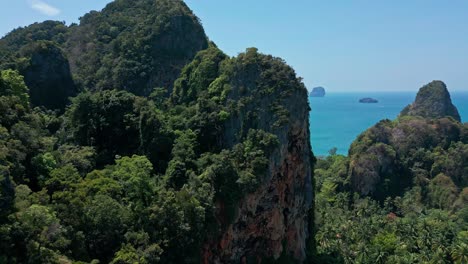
pixel 460 253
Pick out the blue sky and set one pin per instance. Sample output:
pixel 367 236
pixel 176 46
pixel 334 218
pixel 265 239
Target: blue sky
pixel 354 45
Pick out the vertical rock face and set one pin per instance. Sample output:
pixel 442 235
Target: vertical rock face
pixel 271 222
pixel 432 101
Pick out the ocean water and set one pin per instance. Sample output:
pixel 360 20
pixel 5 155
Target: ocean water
pixel 338 118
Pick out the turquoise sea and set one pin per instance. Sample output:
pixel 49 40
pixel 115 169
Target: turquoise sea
pixel 338 118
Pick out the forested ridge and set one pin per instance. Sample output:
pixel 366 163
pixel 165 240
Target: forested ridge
pixel 130 138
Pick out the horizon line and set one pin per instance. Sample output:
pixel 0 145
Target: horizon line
pixel 381 91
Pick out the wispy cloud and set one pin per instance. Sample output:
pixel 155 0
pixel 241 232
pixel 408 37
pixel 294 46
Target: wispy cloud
pixel 44 8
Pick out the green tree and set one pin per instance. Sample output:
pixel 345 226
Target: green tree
pixel 62 179
pixel 442 192
pixel 134 174
pixel 40 233
pixel 12 84
pixel 106 224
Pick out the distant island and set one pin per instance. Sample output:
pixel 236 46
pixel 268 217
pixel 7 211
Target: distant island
pixel 368 100
pixel 318 92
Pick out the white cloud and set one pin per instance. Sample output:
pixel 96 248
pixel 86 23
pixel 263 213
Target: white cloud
pixel 44 8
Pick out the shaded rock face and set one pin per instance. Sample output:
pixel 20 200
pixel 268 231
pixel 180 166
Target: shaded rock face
pixel 318 92
pixel 47 75
pixel 272 221
pixel 432 101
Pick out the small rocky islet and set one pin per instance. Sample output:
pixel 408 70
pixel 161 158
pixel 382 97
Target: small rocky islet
pixel 317 92
pixel 368 100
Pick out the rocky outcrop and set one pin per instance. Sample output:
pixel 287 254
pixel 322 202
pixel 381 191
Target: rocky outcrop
pixel 317 92
pixel 432 101
pixel 272 221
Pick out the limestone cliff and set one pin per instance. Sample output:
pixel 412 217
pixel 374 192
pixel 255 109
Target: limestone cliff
pixel 432 101
pixel 272 221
